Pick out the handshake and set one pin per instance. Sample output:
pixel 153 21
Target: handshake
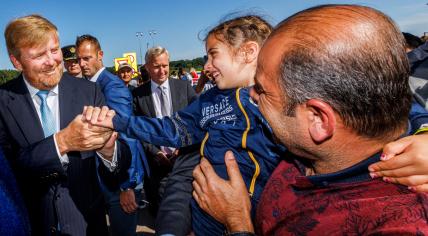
pixel 92 130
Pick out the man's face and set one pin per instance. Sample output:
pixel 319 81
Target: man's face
pixel 125 74
pixel 158 68
pixel 90 59
pixel 41 64
pixel 72 66
pixel 269 96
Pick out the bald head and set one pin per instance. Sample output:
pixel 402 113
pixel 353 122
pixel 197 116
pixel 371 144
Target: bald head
pixel 351 57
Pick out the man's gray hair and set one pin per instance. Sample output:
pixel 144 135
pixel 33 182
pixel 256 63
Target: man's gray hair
pixel 154 52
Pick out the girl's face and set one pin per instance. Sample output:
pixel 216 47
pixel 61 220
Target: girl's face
pixel 227 68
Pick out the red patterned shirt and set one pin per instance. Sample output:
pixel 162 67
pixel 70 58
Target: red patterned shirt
pixel 347 202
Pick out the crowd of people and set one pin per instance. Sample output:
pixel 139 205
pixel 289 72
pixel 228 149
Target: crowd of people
pixel 315 126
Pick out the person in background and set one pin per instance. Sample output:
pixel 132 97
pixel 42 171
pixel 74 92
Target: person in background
pixel 412 41
pixel 184 75
pixel 125 73
pixel 144 75
pixel 173 75
pixel 205 82
pixel 122 198
pixel 70 61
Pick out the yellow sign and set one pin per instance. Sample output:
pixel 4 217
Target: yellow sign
pixel 131 59
pixel 120 60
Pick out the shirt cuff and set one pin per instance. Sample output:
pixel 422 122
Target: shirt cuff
pixel 64 158
pixel 111 165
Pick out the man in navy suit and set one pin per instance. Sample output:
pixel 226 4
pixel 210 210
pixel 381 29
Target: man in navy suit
pixel 126 194
pixel 49 147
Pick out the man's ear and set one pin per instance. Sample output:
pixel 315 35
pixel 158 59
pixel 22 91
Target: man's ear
pixel 322 120
pixel 250 50
pixel 15 62
pixel 100 55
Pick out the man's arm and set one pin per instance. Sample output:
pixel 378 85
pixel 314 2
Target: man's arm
pixel 41 159
pixel 182 129
pixel 225 200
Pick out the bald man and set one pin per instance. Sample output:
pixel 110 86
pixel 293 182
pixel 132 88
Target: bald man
pixel 332 81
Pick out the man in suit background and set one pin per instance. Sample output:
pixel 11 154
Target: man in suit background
pixel 70 61
pixel 122 200
pixel 157 98
pixel 45 139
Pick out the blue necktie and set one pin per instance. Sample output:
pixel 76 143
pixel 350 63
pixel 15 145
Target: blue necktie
pixel 48 121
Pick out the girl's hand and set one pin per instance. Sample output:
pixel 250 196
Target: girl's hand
pixel 405 161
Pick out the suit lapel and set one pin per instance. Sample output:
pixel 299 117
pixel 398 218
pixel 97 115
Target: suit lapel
pixel 174 95
pixel 68 106
pixel 149 100
pixel 22 109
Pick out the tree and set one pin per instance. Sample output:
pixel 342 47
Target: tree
pixel 6 75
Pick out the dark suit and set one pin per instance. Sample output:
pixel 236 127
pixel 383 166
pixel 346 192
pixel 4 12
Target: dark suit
pixel 52 193
pixel 13 215
pixel 182 94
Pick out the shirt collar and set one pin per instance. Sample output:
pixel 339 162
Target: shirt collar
pixel 356 173
pixel 95 77
pixel 154 85
pixel 33 91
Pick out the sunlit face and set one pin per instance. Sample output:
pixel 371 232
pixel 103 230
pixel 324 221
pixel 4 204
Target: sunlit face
pixel 90 59
pixel 41 64
pixel 269 96
pixel 158 68
pixel 72 66
pixel 226 67
pixel 125 74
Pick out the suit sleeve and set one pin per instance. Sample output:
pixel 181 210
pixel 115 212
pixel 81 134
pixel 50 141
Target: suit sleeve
pixel 180 130
pixel 114 180
pixel 119 98
pixel 37 162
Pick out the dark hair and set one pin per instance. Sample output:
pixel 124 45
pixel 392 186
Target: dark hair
pixel 145 76
pixel 88 38
pixel 362 74
pixel 242 29
pixel 412 41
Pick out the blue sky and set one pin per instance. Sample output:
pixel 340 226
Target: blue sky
pixel 177 23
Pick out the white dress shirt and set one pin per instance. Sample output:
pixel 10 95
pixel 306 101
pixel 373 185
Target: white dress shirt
pixel 156 94
pixel 95 77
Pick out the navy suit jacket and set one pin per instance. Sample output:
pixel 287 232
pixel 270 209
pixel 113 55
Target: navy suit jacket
pixel 119 98
pixel 54 195
pixel 13 215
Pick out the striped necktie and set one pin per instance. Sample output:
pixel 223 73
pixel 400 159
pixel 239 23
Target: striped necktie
pixel 48 121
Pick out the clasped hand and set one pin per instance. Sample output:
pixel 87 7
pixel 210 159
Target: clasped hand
pixel 82 135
